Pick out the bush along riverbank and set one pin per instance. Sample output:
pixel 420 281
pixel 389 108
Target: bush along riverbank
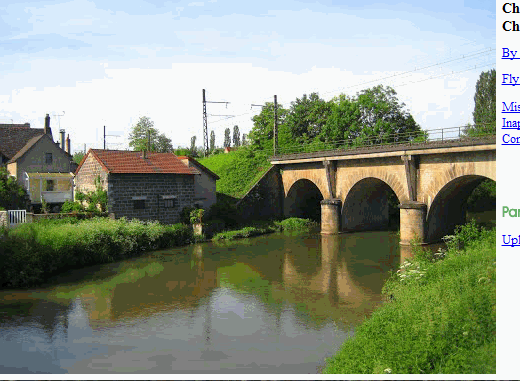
pixel 31 253
pixel 439 317
pixel 260 228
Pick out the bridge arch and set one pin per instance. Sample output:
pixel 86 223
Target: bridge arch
pixel 455 171
pixel 346 183
pixel 303 200
pixel 370 204
pixel 448 207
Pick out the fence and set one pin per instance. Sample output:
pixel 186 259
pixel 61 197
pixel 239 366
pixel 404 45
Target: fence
pixel 16 217
pixel 387 140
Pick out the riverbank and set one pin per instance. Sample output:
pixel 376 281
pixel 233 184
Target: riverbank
pixel 31 253
pixel 439 317
pixel 265 227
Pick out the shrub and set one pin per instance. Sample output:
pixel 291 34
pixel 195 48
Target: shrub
pixel 294 223
pixel 71 206
pixel 185 214
pixel 33 252
pixel 196 216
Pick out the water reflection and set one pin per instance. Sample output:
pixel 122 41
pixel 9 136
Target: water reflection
pixel 273 304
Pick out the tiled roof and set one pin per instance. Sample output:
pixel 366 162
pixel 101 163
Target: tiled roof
pixel 200 166
pixel 114 161
pixel 13 138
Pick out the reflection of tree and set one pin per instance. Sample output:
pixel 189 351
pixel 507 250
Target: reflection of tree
pixel 178 286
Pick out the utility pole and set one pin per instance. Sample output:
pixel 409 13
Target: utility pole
pixel 105 137
pixel 205 121
pixel 204 124
pixel 275 127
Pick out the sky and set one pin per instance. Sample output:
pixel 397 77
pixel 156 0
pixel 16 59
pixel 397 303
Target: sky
pixel 91 64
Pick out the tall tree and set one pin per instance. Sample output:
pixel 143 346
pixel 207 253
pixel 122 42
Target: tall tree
pixel 227 138
pixel 307 117
pixel 381 115
pixel 236 136
pixel 139 137
pixel 261 135
pixel 484 114
pixel 244 141
pixel 78 156
pixel 193 147
pixel 212 141
pixel 372 116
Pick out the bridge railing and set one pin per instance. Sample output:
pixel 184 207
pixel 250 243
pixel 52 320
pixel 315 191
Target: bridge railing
pixel 387 140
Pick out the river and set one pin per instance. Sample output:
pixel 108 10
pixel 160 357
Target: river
pixel 277 304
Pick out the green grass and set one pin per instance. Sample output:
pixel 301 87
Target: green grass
pixel 33 252
pixel 440 316
pixel 265 227
pixel 238 170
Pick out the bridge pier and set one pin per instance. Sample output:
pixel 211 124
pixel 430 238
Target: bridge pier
pixel 331 216
pixel 413 222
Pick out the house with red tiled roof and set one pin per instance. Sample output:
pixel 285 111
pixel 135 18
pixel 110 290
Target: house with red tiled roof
pixel 41 166
pixel 144 185
pixel 205 184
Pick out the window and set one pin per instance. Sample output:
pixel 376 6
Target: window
pixel 169 203
pixel 139 204
pixel 49 185
pixel 48 158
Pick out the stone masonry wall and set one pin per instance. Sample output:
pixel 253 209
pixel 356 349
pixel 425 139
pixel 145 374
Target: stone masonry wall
pixel 85 180
pixel 122 188
pixel 264 199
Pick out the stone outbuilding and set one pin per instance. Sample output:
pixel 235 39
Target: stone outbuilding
pixel 143 185
pixel 205 184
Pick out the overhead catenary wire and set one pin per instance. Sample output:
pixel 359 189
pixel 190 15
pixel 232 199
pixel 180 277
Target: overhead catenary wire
pixel 471 56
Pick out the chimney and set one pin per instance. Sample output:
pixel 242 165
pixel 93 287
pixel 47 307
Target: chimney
pixel 62 144
pixel 68 144
pixel 47 124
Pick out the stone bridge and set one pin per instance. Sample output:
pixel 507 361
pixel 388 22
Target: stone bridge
pixel 351 190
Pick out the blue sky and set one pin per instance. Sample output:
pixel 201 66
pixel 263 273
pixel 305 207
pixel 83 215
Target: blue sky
pixel 109 62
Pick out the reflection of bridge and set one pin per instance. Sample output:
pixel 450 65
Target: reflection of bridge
pixel 431 182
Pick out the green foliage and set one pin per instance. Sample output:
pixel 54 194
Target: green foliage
pixel 33 252
pixel 440 316
pixel 483 197
pixel 12 194
pixel 307 117
pixel 45 206
pixel 261 135
pixel 294 223
pixel 193 146
pixel 72 206
pixel 97 197
pixel 212 141
pixel 182 151
pixel 196 216
pixel 80 196
pixel 373 116
pixel 465 235
pixel 138 138
pixel 236 136
pixel 77 157
pixel 227 138
pixel 247 232
pixel 185 214
pixel 224 210
pixel 237 170
pixel 484 114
